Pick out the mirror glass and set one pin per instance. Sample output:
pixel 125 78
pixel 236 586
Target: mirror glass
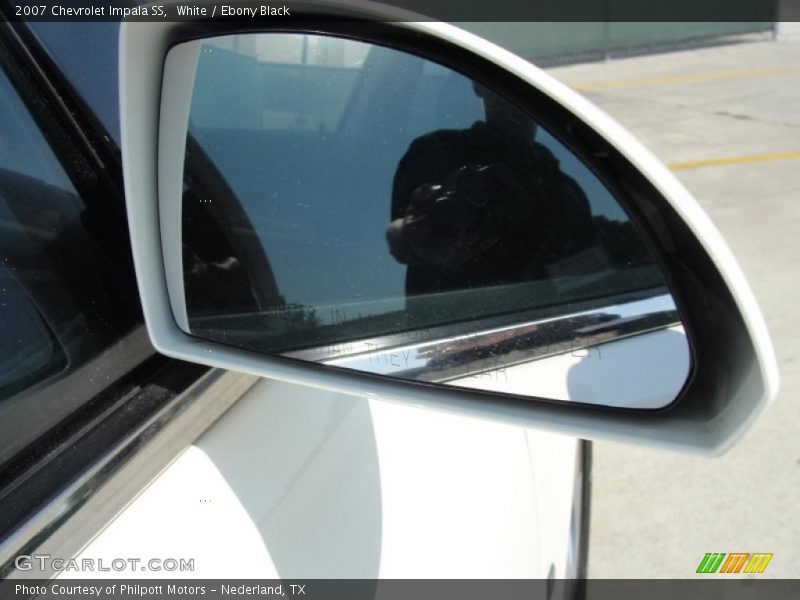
pixel 360 206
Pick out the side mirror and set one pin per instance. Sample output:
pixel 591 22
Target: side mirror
pixel 406 211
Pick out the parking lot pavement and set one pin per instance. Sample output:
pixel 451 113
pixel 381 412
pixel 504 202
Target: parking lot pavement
pixel 727 119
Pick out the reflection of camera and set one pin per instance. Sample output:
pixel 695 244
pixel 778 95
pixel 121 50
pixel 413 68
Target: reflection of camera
pixel 448 223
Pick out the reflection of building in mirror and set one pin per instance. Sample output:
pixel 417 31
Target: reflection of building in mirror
pixel 277 81
pixel 294 49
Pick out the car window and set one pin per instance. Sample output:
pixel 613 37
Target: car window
pixel 89 62
pixel 66 305
pixel 380 193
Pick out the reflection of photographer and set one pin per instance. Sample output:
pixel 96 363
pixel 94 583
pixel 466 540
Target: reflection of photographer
pixel 483 206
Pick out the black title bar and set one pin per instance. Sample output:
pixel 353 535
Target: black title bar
pixel 441 10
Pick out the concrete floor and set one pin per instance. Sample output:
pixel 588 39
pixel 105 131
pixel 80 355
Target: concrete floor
pixel 655 514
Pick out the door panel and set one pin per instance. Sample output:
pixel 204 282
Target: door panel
pixel 311 484
pixel 293 482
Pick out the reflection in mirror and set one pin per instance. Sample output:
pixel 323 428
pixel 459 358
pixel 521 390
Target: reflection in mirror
pixel 359 206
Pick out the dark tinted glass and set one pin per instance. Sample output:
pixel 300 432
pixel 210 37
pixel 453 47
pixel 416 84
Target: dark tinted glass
pixel 86 54
pixel 70 316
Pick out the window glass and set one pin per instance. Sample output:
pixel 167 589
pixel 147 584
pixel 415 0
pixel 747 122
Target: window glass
pixel 86 53
pixel 355 191
pixel 66 305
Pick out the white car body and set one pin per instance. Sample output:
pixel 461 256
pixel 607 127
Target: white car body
pixel 296 482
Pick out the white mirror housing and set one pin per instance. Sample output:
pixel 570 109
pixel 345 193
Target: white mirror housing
pixel 733 374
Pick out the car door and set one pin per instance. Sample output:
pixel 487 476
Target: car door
pixel 78 371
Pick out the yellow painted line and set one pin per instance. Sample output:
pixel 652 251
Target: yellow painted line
pixel 733 160
pixel 694 78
